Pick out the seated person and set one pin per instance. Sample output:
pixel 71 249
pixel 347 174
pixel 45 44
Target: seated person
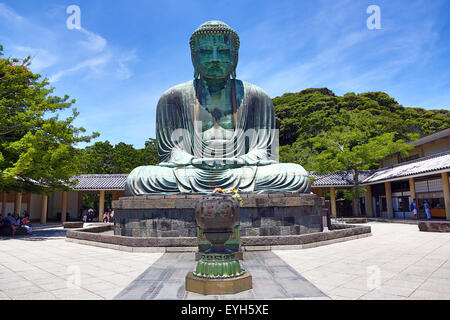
pixel 10 218
pixel 8 225
pixel 26 224
pixel 15 224
pixel 2 223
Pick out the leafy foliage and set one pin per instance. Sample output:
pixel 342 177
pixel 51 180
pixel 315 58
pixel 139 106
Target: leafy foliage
pixel 327 133
pixel 104 158
pixel 303 116
pixel 35 144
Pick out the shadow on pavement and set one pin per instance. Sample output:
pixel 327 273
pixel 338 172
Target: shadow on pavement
pixel 39 235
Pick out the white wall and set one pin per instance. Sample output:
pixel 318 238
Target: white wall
pixel 72 205
pixel 35 207
pixel 55 204
pixel 10 208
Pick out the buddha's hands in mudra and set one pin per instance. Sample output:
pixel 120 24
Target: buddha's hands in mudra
pixel 225 163
pixel 218 163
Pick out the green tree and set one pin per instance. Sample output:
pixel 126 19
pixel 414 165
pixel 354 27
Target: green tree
pixel 150 152
pixel 98 158
pixel 354 144
pixel 127 157
pixel 35 144
pixel 104 158
pixel 302 115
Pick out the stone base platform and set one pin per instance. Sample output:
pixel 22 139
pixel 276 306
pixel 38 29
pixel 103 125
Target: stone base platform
pixel 272 278
pixel 434 226
pixel 355 220
pixel 218 286
pixel 73 225
pixel 103 236
pixel 172 216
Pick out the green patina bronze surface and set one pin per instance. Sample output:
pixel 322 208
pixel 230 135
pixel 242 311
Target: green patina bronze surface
pixel 233 244
pixel 218 265
pixel 216 131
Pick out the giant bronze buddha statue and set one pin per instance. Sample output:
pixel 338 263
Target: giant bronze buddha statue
pixel 216 131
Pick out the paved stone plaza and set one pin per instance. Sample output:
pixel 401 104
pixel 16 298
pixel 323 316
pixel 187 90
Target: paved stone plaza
pixel 272 279
pixel 397 262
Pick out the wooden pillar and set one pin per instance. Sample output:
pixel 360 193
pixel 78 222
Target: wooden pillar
pixel 333 202
pixel 101 206
pixel 446 189
pixel 369 206
pixel 44 205
pixel 412 188
pixel 390 208
pixel 4 199
pixel 18 203
pixel 80 202
pixel 64 207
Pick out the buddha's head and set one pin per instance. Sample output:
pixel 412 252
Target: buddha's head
pixel 214 50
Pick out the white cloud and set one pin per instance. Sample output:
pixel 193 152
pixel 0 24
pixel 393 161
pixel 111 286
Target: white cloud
pixel 123 72
pixel 9 14
pixel 334 50
pixel 89 64
pixel 93 42
pixel 40 58
pixel 59 53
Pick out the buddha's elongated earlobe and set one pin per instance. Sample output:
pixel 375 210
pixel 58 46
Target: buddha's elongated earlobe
pixel 233 73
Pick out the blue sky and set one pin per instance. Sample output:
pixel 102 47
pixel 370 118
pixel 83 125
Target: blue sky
pixel 129 52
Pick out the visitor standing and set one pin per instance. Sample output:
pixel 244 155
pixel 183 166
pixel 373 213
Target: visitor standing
pixel 413 208
pixel 106 216
pixel 426 206
pixel 90 216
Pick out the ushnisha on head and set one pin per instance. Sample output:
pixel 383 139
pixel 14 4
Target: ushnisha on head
pixel 214 50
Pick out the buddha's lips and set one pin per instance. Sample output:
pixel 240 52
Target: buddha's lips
pixel 216 65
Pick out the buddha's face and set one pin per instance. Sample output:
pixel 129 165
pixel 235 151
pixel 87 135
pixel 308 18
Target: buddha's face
pixel 214 56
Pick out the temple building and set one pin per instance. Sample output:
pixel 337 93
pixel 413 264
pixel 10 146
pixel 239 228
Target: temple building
pixel 68 205
pixel 423 175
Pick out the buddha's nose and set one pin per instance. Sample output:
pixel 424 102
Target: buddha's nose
pixel 215 56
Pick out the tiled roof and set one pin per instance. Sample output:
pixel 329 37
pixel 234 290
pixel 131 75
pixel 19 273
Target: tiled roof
pixel 435 162
pixel 429 164
pixel 100 181
pixel 343 178
pixel 432 137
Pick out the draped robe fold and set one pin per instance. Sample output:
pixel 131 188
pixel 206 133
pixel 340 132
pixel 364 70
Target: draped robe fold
pixel 181 140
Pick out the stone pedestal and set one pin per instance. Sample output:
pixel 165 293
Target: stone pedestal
pixel 355 220
pixel 261 215
pixel 73 225
pixel 218 286
pixel 434 226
